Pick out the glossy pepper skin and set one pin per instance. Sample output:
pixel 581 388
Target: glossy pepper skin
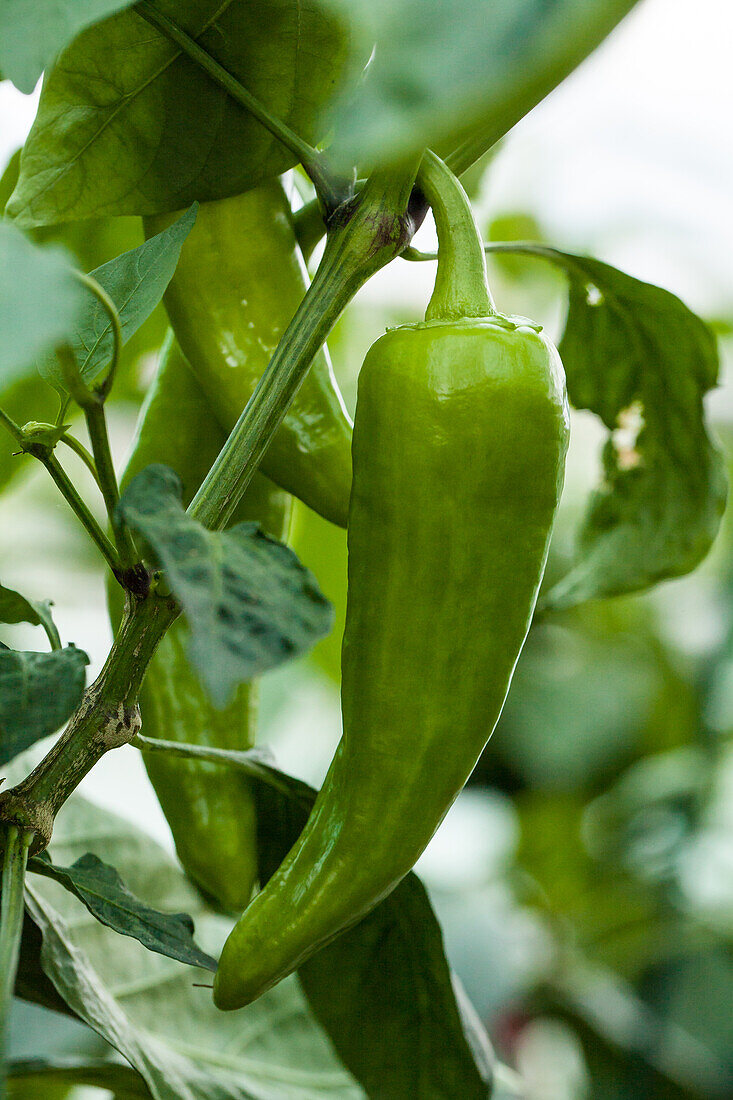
pixel 460 437
pixel 210 809
pixel 238 283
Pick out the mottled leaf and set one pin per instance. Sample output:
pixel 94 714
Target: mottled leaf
pixel 105 895
pixel 136 282
pixel 129 125
pixel 40 302
pixel 38 693
pixel 249 603
pixel 33 31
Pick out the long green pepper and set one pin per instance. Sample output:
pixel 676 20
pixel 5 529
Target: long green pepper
pixel 238 283
pixel 460 437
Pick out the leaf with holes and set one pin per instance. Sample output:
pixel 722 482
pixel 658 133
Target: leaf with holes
pixel 249 603
pixel 105 895
pixel 135 281
pixel 635 355
pixel 38 693
pixel 127 124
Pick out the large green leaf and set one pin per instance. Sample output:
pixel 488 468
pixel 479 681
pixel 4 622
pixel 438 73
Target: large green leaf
pixel 248 601
pixel 33 31
pixel 136 282
pixel 40 302
pixel 444 70
pixel 147 1007
pixel 38 692
pixel 128 125
pixel 100 888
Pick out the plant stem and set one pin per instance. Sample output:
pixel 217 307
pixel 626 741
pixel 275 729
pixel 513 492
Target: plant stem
pixel 17 843
pixel 46 456
pixel 329 190
pixel 365 234
pixel 99 437
pixel 461 286
pixel 49 626
pixel 107 718
pixel 91 403
pixel 77 504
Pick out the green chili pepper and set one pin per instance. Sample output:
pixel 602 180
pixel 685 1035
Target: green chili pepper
pixel 209 808
pixel 238 283
pixel 459 444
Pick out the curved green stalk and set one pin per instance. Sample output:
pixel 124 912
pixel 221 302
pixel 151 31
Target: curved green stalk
pixel 461 286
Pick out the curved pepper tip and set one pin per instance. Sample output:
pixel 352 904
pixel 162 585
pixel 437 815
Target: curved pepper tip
pixel 229 996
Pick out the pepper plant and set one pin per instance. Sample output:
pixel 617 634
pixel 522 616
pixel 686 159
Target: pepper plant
pixel 187 115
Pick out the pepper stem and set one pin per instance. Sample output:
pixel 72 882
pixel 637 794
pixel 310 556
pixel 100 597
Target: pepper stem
pixel 461 285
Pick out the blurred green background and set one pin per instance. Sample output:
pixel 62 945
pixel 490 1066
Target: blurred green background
pixel 584 879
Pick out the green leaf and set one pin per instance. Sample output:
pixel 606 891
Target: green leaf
pixel 40 302
pixel 38 693
pixel 444 70
pixel 249 603
pixel 105 895
pixel 33 31
pixel 383 990
pixel 129 125
pixel 136 282
pixel 15 608
pixel 146 1005
pixel 635 355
